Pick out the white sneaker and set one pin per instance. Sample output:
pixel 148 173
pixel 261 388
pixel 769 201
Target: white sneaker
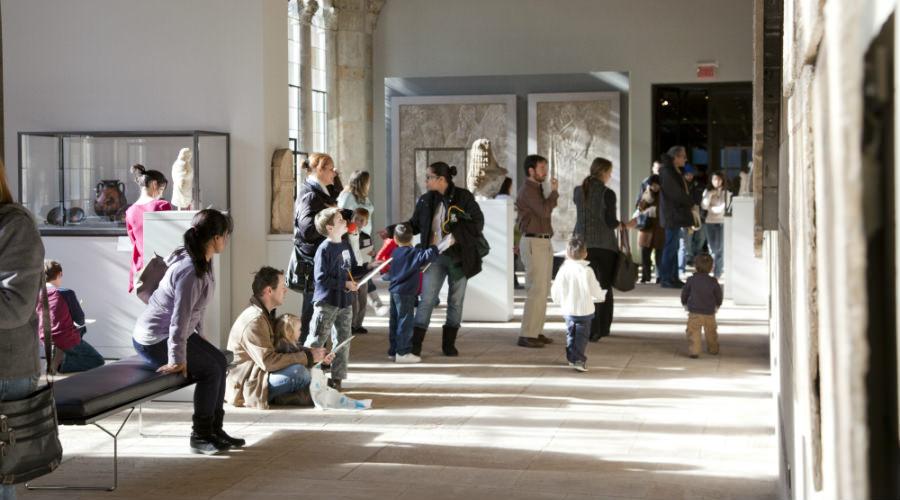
pixel 580 367
pixel 382 311
pixel 407 359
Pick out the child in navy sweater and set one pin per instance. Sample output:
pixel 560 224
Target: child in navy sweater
pixel 702 297
pixel 406 264
pixel 333 295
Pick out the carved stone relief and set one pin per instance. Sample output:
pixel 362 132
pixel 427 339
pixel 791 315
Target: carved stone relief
pixel 448 130
pixel 570 131
pixel 283 186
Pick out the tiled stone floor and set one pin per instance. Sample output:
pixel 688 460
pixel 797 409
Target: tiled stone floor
pixel 500 421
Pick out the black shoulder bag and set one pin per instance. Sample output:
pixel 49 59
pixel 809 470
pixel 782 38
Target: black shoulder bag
pixel 29 439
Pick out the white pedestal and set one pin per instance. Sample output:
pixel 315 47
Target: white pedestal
pixel 96 268
pixel 163 233
pixel 489 295
pixel 746 280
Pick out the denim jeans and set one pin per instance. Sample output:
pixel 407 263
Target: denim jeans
pixel 328 319
pixel 716 235
pixel 431 287
pixel 668 267
pixel 81 358
pixel 578 329
pixel 287 380
pixel 11 389
pixel 206 366
pixel 403 311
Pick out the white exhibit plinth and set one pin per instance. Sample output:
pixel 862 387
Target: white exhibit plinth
pixel 96 268
pixel 746 279
pixel 489 295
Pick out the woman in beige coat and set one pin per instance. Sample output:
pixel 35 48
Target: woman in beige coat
pixel 260 375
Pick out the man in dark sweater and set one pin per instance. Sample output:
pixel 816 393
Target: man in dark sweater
pixel 702 296
pixel 332 298
pixel 675 213
pixel 406 264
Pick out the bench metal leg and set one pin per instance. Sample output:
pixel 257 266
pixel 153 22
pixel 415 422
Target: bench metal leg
pixel 115 438
pixel 141 427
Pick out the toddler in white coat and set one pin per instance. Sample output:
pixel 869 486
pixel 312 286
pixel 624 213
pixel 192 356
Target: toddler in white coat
pixel 576 289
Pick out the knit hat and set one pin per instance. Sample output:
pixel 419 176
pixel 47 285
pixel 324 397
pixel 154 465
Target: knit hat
pixel 689 169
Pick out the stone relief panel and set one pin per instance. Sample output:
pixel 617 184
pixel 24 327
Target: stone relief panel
pixel 570 130
pixel 444 132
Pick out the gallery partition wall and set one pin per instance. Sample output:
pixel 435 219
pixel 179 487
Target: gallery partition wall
pixel 714 121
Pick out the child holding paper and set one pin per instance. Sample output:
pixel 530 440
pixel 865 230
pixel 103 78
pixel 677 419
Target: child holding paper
pixel 333 296
pixel 406 265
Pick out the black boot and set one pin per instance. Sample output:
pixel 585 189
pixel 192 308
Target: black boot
pixel 417 338
pixel 220 431
pixel 203 437
pixel 448 341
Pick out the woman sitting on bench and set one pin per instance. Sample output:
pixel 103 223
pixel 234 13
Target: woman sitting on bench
pixel 167 333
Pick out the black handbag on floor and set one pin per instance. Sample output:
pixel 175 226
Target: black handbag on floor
pixel 29 438
pixel 626 269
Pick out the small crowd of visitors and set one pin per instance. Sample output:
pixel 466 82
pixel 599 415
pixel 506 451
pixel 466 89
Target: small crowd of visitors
pixel 334 251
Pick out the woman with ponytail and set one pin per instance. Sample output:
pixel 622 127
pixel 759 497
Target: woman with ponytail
pixel 446 209
pixel 153 185
pixel 168 334
pixel 596 224
pixel 315 194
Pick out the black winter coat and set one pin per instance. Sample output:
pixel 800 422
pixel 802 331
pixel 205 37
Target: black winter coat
pixel 466 231
pixel 310 201
pixel 675 203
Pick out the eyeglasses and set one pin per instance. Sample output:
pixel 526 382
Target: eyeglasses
pixel 431 177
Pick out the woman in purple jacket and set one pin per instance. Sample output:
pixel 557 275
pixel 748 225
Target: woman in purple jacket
pixel 168 334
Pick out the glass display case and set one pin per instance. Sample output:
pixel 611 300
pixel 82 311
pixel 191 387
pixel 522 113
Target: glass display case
pixel 80 183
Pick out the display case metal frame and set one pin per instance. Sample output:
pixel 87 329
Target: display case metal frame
pixel 60 136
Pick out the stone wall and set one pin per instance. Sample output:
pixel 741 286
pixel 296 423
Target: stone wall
pixel 819 270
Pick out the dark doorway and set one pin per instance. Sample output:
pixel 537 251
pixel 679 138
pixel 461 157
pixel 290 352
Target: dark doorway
pixel 714 121
pixel 878 220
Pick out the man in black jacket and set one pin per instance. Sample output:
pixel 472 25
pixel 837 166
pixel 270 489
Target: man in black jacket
pixel 676 207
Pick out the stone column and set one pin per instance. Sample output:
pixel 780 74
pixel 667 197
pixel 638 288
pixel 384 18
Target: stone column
pixel 307 9
pixel 355 22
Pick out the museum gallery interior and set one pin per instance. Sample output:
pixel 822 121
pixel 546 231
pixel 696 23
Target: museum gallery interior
pixel 522 212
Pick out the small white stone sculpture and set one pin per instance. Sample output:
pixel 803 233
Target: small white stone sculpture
pixel 484 175
pixel 183 180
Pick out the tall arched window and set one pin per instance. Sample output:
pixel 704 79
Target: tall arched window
pixel 307 77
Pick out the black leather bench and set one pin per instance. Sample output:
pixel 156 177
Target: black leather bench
pixel 86 398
